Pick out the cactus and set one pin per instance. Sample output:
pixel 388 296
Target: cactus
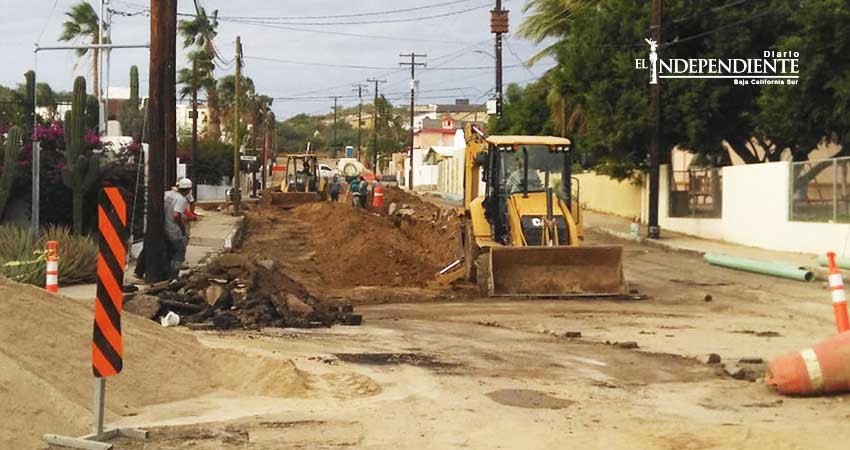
pixel 91 113
pixel 29 102
pixel 134 88
pixel 82 168
pixel 11 151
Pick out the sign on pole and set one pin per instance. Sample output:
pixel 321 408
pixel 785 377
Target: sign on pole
pixel 107 346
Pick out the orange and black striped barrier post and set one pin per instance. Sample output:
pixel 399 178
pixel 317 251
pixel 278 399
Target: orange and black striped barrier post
pixel 52 273
pixel 107 345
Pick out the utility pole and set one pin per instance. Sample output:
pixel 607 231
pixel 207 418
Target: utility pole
pixel 156 260
pixel 654 231
pixel 237 139
pixel 499 25
pixel 413 64
pixel 194 128
pixel 334 145
pixel 359 90
pixel 375 123
pixel 171 98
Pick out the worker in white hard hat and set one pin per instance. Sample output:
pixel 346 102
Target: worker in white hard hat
pixel 177 216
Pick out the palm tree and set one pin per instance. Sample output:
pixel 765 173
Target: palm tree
pixel 550 19
pixel 83 25
pixel 200 33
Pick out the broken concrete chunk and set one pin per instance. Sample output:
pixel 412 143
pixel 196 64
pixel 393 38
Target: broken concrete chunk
pixel 215 293
pixel 239 295
pixel 630 345
pixel 393 208
pixel 297 307
pixel 267 264
pixel 146 306
pixel 751 360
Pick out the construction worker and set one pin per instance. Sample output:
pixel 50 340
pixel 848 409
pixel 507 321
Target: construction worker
pixel 176 223
pixel 364 192
pixel 354 190
pixel 334 188
pixel 378 194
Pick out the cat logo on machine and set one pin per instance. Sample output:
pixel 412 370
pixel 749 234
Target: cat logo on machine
pixel 537 222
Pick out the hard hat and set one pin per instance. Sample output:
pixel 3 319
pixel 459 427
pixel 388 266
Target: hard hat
pixel 184 183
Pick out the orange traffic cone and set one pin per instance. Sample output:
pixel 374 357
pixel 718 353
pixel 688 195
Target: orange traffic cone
pixel 839 296
pixel 52 281
pixel 822 369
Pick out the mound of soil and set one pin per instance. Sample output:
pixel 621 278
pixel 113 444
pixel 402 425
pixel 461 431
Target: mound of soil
pixel 46 376
pixel 356 247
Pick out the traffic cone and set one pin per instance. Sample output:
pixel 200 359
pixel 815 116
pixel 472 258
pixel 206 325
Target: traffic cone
pixel 822 369
pixel 52 282
pixel 839 296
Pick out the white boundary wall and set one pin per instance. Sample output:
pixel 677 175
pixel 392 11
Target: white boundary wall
pixel 755 213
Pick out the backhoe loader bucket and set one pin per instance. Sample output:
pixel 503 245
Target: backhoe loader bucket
pixel 289 200
pixel 555 272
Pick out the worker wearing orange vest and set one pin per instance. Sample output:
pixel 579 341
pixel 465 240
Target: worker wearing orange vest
pixel 378 194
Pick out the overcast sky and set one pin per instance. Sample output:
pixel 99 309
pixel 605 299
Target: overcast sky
pixel 449 41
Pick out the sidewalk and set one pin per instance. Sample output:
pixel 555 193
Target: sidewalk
pixel 213 233
pixel 619 227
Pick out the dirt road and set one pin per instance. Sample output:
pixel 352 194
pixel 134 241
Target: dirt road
pixel 430 373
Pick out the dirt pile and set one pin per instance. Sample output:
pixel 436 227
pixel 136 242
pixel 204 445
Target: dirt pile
pixel 238 291
pixel 46 377
pixel 356 247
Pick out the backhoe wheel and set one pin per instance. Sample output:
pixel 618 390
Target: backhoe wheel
pixel 482 267
pixel 470 253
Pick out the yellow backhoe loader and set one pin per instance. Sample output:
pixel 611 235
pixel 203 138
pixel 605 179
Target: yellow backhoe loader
pixel 522 224
pixel 301 183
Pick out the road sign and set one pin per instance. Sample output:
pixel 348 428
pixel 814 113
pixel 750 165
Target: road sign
pixel 248 158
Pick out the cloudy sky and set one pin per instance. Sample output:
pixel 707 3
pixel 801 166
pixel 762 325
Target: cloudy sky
pixel 330 58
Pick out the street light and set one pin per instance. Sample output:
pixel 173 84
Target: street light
pixel 485 53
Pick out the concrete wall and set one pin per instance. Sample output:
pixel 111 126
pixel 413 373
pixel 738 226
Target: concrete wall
pixel 756 213
pixel 603 194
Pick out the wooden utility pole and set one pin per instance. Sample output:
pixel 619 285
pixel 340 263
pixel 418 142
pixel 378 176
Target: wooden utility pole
pixel 171 97
pixel 194 129
pixel 156 259
pixel 499 25
pixel 375 123
pixel 359 91
pixel 654 230
pixel 413 64
pixel 334 145
pixel 237 139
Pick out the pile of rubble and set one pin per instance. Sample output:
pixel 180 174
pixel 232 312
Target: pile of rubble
pixel 235 291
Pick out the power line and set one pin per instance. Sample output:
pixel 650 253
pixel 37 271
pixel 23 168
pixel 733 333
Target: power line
pixel 366 14
pixel 365 22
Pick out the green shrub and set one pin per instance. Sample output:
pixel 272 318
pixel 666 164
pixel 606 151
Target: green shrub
pixel 22 257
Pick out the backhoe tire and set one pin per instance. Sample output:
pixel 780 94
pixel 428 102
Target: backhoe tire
pixel 482 267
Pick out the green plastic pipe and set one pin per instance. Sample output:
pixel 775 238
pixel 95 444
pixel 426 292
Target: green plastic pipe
pixel 842 261
pixel 781 270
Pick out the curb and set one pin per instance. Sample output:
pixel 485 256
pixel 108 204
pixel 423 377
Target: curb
pixel 234 239
pixel 649 242
pixel 821 274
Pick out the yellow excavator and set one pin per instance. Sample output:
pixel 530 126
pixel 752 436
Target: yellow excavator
pixel 522 223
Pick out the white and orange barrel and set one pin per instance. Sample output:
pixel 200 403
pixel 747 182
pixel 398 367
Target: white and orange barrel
pixel 839 295
pixel 52 257
pixel 822 369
